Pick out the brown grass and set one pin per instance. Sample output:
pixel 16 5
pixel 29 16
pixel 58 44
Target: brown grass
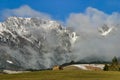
pixel 63 75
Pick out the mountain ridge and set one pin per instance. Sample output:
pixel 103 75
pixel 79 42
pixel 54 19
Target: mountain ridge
pixel 34 43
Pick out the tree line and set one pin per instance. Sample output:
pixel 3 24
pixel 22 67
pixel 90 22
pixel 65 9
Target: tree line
pixel 114 66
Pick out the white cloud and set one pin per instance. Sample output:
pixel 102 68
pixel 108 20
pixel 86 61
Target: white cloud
pixel 87 21
pixel 90 42
pixel 91 20
pixel 24 11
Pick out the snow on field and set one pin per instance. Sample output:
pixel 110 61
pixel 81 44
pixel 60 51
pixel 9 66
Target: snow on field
pixel 84 66
pixel 13 72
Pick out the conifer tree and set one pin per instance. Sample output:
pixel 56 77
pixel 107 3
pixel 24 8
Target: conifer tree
pixel 106 67
pixel 114 61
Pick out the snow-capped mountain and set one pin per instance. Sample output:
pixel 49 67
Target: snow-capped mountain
pixel 33 43
pixel 105 30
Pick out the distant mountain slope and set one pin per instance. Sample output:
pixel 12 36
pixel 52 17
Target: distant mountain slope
pixel 33 43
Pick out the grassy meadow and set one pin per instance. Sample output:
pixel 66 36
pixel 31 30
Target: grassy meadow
pixel 63 75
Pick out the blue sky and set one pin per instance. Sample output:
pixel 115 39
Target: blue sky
pixel 61 9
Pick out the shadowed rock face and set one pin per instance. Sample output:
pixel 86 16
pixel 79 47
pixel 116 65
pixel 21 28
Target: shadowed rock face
pixel 32 43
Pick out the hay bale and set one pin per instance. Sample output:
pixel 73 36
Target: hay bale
pixel 57 68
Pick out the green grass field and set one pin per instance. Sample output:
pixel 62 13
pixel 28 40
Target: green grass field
pixel 63 75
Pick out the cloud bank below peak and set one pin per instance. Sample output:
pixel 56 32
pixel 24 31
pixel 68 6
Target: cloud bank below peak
pixel 90 41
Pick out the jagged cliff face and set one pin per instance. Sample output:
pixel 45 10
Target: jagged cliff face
pixel 32 43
